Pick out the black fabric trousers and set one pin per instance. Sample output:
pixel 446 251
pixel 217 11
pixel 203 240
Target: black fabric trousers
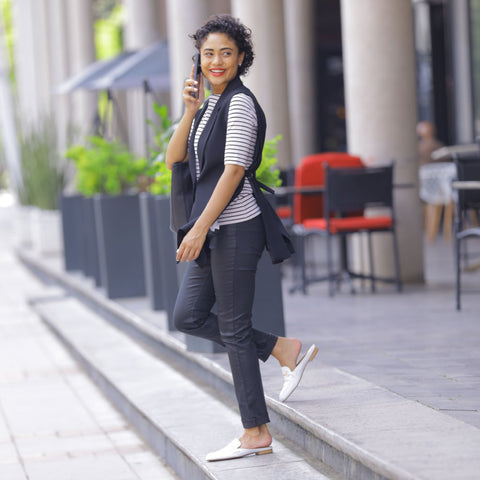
pixel 229 280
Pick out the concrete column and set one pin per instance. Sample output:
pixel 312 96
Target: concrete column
pixel 33 76
pixel 8 130
pixel 141 30
pixel 219 6
pixel 24 63
pixel 268 76
pixel 81 53
pixel 59 72
pixel 300 74
pixel 462 76
pixel 380 91
pixel 184 17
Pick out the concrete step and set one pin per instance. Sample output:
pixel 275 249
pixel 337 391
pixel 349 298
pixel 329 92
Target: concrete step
pixel 180 420
pixel 359 429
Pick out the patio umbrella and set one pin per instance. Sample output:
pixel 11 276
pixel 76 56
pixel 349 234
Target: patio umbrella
pixel 148 69
pixel 87 78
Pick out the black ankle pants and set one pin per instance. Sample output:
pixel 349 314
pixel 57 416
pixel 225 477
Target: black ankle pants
pixel 229 280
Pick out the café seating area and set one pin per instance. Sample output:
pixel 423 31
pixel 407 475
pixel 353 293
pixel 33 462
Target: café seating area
pixel 334 195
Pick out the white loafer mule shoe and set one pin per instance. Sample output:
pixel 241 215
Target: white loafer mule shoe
pixel 234 450
pixel 292 379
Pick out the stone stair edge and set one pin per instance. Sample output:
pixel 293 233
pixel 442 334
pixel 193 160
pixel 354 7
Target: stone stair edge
pixel 181 458
pixel 378 468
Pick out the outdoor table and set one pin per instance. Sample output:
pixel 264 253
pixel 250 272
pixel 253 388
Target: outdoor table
pixel 437 193
pixel 466 185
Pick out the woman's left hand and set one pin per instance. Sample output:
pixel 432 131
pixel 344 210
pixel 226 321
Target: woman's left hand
pixel 192 244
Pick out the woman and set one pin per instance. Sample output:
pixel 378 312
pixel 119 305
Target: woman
pixel 226 235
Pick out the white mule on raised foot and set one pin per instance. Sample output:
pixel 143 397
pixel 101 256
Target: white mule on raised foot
pixel 234 450
pixel 292 379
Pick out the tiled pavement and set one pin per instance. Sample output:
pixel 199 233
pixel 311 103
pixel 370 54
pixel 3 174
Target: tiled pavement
pixel 414 344
pixel 54 423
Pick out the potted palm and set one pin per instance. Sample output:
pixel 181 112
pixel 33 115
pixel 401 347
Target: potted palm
pixel 111 175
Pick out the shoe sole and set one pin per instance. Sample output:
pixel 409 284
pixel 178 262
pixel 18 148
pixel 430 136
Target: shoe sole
pixel 312 356
pixel 243 455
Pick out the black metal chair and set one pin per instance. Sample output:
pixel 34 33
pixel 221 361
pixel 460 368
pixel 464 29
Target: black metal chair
pixel 309 206
pixel 349 191
pixel 468 203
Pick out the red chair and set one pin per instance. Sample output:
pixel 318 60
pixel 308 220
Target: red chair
pixel 310 172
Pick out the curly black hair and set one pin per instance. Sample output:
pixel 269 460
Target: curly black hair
pixel 239 33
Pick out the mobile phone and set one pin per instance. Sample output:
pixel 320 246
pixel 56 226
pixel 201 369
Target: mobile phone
pixel 197 71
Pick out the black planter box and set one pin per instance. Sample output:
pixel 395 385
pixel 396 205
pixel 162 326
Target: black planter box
pixel 267 312
pixel 71 215
pixel 120 248
pixel 170 273
pixel 151 251
pixel 90 264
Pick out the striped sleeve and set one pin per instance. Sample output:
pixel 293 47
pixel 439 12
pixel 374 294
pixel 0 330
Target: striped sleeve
pixel 241 131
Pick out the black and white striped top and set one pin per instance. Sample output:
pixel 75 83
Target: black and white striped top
pixel 239 149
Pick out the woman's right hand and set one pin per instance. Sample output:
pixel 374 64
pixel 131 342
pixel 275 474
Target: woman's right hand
pixel 177 150
pixel 192 86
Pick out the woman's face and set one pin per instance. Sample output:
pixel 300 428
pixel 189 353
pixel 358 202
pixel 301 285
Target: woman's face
pixel 220 60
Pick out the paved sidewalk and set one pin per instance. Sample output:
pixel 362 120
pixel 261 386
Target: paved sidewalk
pixel 54 423
pixel 414 344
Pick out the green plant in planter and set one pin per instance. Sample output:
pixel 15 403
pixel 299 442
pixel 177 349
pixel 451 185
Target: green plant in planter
pixel 43 171
pixel 107 167
pixel 267 172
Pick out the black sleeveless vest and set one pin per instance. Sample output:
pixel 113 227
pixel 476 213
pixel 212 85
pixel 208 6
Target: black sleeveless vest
pixel 211 146
pixel 211 153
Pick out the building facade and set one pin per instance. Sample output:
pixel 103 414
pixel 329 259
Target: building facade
pixel 331 75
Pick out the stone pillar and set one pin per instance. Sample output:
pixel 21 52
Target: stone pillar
pixel 268 76
pixel 462 76
pixel 82 54
pixel 141 30
pixel 300 74
pixel 58 48
pixel 380 91
pixel 8 130
pixel 32 72
pixel 184 17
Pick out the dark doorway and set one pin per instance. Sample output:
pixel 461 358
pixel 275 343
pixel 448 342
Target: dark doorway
pixel 434 85
pixel 330 99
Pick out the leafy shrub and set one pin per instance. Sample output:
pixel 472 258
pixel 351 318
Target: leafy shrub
pixel 161 176
pixel 267 172
pixel 107 167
